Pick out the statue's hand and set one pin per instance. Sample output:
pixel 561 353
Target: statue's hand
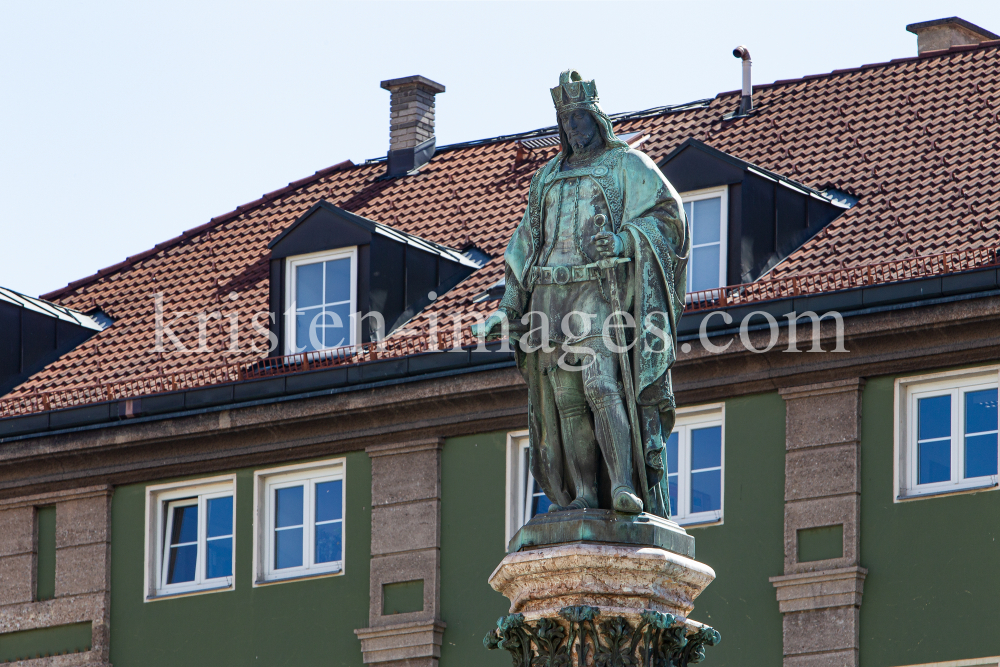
pixel 609 245
pixel 491 328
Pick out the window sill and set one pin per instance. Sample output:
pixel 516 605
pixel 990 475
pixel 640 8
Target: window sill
pixel 182 594
pixel 700 523
pixel 937 493
pixel 299 577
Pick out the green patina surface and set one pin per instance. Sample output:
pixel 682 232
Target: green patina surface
pixel 588 525
pixel 933 564
pixel 472 545
pixel 58 640
pixel 748 547
pixel 821 543
pixel 402 597
pixel 45 576
pixel 297 623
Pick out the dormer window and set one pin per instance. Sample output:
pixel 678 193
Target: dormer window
pixel 706 215
pixel 322 298
pixel 744 220
pixel 340 280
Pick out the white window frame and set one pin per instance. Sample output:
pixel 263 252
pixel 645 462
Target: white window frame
pixel 308 475
pixel 690 418
pixel 517 463
pixel 711 193
pixel 291 263
pixel 160 499
pixel 907 391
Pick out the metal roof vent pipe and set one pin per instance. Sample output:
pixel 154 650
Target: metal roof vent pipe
pixel 411 123
pixel 746 102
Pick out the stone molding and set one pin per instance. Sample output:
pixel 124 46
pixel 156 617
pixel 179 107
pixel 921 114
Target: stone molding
pixel 820 600
pixel 418 644
pixel 841 587
pixel 83 572
pixel 405 546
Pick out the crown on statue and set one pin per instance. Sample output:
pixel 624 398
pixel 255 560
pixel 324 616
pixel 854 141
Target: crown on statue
pixel 573 92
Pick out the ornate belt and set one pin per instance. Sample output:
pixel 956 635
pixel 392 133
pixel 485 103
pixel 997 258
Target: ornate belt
pixel 560 275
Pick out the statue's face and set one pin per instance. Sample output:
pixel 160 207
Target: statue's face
pixel 580 128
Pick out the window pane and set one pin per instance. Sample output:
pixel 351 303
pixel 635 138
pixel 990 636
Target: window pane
pixel 336 321
pixel 672 485
pixel 288 507
pixel 287 548
pixel 704 268
pixel 934 417
pixel 981 455
pixel 328 542
pixel 672 453
pixel 303 321
pixel 981 411
pixel 185 528
pixel 308 285
pixel 220 516
pixel 706 447
pixel 934 461
pixel 182 564
pixel 220 558
pixel 329 498
pixel 705 491
pixel 540 502
pixel 338 280
pixel 707 220
pixel 688 211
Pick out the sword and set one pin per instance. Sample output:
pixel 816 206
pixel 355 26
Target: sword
pixel 610 265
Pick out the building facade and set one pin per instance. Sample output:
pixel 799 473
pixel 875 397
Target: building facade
pixel 224 486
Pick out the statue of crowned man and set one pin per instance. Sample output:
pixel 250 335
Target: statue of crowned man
pixel 595 284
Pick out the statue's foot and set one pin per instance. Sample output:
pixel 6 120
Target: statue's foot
pixel 627 502
pixel 556 508
pixel 578 504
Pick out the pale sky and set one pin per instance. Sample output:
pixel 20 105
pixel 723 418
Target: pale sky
pixel 123 124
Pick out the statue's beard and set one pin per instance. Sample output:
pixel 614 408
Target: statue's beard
pixel 580 143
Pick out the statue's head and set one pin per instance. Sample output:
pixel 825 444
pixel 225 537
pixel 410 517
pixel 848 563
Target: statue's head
pixel 579 115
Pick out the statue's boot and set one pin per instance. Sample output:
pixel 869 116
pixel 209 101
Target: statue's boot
pixel 613 435
pixel 578 441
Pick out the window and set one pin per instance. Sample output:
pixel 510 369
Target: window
pixel 706 212
pixel 695 452
pixel 525 497
pixel 321 300
pixel 190 533
pixel 300 521
pixel 949 426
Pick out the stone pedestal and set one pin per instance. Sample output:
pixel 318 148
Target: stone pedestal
pixel 596 587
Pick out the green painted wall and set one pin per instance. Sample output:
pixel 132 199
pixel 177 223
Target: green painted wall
pixel 748 547
pixel 292 624
pixel 933 564
pixel 744 551
pixel 473 494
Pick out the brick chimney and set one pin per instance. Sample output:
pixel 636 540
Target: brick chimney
pixel 946 33
pixel 411 122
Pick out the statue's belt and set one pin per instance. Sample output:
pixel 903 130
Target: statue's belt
pixel 560 275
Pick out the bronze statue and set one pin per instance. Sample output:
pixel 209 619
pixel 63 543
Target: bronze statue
pixel 603 241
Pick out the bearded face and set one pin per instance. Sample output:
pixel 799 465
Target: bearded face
pixel 580 128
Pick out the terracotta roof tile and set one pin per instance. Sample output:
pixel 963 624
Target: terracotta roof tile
pixel 915 139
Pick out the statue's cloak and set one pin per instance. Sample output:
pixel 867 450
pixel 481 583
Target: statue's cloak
pixel 645 207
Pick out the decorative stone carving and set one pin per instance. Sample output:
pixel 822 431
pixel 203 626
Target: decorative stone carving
pixel 580 637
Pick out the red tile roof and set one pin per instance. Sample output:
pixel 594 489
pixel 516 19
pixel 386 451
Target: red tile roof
pixel 915 139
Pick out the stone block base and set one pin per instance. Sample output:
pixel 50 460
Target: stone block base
pixel 621 580
pixel 403 644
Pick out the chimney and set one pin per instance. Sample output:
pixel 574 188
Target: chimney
pixel 411 122
pixel 946 33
